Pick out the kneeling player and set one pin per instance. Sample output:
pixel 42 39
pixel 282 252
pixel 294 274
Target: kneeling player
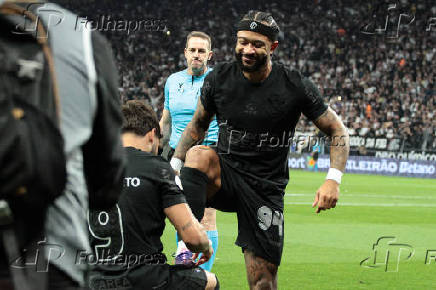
pixel 126 239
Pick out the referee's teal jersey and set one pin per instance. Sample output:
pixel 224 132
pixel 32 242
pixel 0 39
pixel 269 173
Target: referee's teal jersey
pixel 181 96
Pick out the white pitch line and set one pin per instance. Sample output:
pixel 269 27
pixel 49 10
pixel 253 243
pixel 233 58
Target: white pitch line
pixel 370 204
pixel 370 195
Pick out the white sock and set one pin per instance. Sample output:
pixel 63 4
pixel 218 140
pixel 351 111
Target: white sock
pixel 181 247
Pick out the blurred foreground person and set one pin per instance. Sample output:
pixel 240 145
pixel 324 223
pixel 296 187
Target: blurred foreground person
pixel 50 58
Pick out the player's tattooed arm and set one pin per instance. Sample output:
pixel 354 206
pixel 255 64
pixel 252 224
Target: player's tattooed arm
pixel 186 226
pixel 332 126
pixel 189 229
pixel 165 127
pixel 194 131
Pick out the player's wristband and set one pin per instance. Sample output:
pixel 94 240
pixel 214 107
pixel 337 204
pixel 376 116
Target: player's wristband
pixel 335 175
pixel 176 163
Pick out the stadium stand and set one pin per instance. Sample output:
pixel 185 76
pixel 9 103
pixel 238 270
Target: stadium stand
pixel 384 76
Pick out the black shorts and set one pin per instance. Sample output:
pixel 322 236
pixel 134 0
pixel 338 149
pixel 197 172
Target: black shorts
pixel 157 277
pixel 258 204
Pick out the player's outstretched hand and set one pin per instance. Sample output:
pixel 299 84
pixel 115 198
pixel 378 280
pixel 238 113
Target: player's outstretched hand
pixel 206 255
pixel 326 196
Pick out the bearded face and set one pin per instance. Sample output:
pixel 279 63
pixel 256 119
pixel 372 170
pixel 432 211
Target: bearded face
pixel 251 62
pixel 252 50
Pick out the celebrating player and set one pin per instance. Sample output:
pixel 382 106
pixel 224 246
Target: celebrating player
pixel 258 104
pixel 127 238
pixel 181 95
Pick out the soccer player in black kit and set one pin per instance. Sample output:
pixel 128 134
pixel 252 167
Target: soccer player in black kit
pixel 258 104
pixel 126 239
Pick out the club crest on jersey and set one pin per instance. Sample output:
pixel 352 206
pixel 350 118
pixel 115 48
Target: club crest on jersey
pixel 180 89
pixel 253 25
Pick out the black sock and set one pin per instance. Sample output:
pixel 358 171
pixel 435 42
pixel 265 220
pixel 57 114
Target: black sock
pixel 194 184
pixel 217 287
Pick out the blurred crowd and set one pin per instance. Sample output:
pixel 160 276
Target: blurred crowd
pixel 374 61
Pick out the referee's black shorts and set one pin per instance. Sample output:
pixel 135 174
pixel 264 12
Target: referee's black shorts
pixel 157 277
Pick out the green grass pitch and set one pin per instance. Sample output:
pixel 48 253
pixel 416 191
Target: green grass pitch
pixel 325 251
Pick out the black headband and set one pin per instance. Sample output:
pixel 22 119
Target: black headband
pixel 252 25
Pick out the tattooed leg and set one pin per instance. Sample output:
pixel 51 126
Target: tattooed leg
pixel 261 274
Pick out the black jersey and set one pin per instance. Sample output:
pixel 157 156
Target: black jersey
pixel 133 228
pixel 257 120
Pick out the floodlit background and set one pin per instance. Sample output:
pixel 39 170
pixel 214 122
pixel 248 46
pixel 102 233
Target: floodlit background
pixel 374 62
